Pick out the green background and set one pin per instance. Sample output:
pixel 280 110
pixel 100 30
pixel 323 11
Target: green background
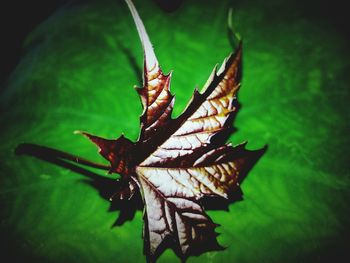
pixel 77 73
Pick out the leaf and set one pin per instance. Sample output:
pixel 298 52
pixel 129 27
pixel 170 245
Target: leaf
pixel 60 86
pixel 177 163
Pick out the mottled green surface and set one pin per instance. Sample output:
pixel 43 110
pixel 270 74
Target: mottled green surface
pixel 76 74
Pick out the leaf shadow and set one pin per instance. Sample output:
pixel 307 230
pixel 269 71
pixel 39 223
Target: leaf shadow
pixel 107 187
pixel 133 62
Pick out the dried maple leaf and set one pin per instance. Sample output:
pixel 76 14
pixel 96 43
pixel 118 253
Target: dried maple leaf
pixel 176 163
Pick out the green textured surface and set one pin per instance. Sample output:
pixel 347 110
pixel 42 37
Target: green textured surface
pixel 75 74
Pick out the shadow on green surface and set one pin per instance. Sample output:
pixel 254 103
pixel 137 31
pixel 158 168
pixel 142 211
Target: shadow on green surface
pixel 108 187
